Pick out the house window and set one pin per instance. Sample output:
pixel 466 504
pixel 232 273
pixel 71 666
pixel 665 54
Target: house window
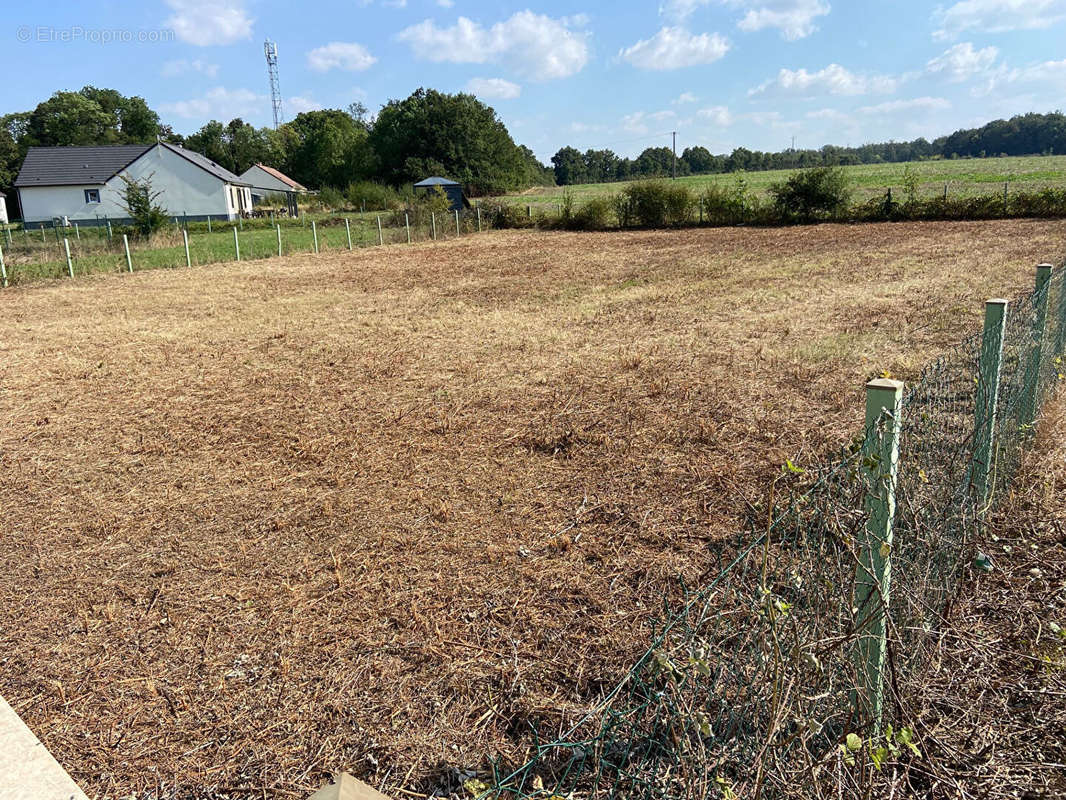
pixel 92 195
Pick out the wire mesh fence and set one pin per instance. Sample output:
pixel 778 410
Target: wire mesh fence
pixel 41 254
pixel 753 686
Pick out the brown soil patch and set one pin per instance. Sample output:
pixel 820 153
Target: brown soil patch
pixel 379 511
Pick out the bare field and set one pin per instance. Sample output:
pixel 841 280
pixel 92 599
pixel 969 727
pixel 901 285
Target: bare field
pixel 379 511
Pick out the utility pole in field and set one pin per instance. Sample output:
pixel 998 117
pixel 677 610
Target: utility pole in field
pixel 674 134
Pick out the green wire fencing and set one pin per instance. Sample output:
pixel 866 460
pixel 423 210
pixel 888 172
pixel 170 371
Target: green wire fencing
pixel 50 253
pixel 778 675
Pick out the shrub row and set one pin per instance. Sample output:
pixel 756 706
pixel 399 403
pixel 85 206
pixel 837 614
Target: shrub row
pixel 818 195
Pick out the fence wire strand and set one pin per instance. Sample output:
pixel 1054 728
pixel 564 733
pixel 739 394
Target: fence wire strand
pixel 748 688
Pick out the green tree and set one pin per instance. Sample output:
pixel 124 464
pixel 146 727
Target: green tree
pixel 455 135
pixel 569 166
pixel 327 148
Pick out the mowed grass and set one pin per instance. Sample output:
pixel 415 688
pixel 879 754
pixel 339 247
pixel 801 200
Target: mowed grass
pixel 382 511
pixel 966 177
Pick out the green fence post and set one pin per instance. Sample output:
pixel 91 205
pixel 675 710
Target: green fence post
pixel 381 239
pixel 70 264
pixel 3 268
pixel 236 243
pixel 126 247
pixel 873 576
pixel 1031 395
pixel 314 234
pixel 984 438
pixel 348 230
pixel 185 238
pixel 279 238
pixel 407 226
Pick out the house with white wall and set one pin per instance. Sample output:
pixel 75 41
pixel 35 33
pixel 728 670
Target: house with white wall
pixel 3 209
pixel 86 184
pixel 267 181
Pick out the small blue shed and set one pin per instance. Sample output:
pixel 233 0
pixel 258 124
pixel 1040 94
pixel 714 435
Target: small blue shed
pixel 453 190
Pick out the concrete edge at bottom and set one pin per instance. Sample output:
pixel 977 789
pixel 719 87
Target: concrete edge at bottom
pixel 27 769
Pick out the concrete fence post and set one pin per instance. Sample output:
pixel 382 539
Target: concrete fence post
pixel 873 576
pixel 991 363
pixel 185 239
pixel 433 222
pixel 279 240
pixel 381 238
pixel 3 268
pixel 236 243
pixel 457 232
pixel 77 232
pixel 479 218
pixel 407 226
pixel 126 247
pixel 209 223
pixel 314 234
pixel 1031 390
pixel 348 230
pixel 70 264
pixel 110 234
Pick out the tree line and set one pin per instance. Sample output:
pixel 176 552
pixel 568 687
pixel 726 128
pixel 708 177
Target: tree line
pixel 1023 135
pixel 428 133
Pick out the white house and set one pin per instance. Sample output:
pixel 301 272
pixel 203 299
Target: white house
pixel 85 184
pixel 266 181
pixel 3 209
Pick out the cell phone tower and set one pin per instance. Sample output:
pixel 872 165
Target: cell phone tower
pixel 271 51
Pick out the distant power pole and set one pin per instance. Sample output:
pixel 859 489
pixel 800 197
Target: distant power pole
pixel 270 49
pixel 674 133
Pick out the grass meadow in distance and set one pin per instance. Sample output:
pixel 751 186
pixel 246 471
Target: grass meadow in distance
pixel 966 177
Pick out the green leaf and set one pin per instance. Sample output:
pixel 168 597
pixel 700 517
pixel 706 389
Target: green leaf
pixel 854 742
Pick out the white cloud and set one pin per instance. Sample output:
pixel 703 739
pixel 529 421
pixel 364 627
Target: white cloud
pixel 1050 73
pixel 718 115
pixel 963 62
pixel 493 88
pixel 997 16
pixel 348 56
pixel 640 122
pixel 916 104
pixel 674 48
pixel 209 22
pixel 834 79
pixel 445 3
pixel 685 97
pixel 794 18
pixel 181 66
pixel 534 45
pixel 298 105
pixel 830 114
pixel 220 102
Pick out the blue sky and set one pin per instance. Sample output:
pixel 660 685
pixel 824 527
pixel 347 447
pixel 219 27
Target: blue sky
pixel 622 75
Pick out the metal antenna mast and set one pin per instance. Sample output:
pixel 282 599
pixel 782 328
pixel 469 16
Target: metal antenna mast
pixel 271 51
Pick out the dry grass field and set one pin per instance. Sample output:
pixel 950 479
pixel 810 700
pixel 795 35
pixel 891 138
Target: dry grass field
pixel 380 511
